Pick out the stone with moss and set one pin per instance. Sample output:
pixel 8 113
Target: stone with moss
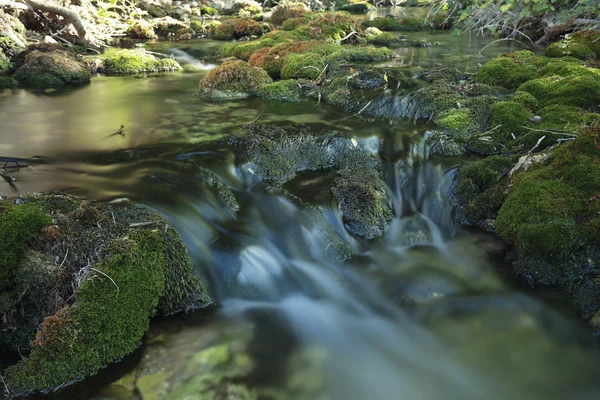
pixel 207 10
pixel 234 79
pixel 589 38
pixel 303 66
pixel 95 303
pixel 286 11
pixel 244 8
pixel 357 6
pixel 142 30
pixel 570 47
pixel 551 215
pixel 167 26
pixel 237 28
pixel 127 62
pixel 244 50
pixel 289 91
pixel 387 39
pixel 581 91
pixel 332 27
pixel 364 201
pixel 47 66
pixel 510 71
pixel 480 190
pixel 293 23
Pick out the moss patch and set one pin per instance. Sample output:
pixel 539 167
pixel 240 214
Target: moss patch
pixel 285 91
pixel 237 28
pixel 234 79
pixel 51 67
pixel 127 62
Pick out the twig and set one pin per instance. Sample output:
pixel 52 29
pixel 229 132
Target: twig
pixel 537 144
pixel 64 259
pixel 138 224
pixel 5 385
pixel 111 279
pixel 500 40
pixel 572 134
pixel 346 37
pixel 308 66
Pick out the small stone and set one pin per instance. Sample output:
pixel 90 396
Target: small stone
pixel 151 387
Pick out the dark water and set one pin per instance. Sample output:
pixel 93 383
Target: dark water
pixel 424 313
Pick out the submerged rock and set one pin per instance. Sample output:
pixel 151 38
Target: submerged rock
pixel 45 66
pixel 93 276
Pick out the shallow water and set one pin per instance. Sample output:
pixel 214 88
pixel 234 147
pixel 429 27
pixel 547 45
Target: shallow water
pixel 424 313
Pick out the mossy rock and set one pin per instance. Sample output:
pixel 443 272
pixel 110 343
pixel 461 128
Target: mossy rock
pixel 570 48
pixel 45 67
pixel 387 39
pixel 293 23
pixel 98 301
pixel 234 79
pixel 287 11
pixel 206 10
pixel 167 26
pixel 303 66
pixel 128 62
pixel 237 28
pixel 142 30
pixel 589 38
pixel 4 62
pixel 332 26
pixel 509 71
pixel 581 91
pixel 244 50
pixel 357 7
pixel 459 122
pixel 364 201
pixel 481 188
pixel 510 117
pixel 551 215
pixel 289 91
pixel 244 8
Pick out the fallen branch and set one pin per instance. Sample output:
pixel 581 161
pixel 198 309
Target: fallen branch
pixel 537 144
pixel 67 14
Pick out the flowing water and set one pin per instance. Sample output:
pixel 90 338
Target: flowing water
pixel 424 313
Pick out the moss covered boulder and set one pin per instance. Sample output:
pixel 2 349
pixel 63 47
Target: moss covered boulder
pixel 128 62
pixel 47 66
pixel 92 276
pixel 237 28
pixel 234 79
pixel 357 6
pixel 286 11
pixel 244 8
pixel 289 91
pixel 142 30
pixel 583 45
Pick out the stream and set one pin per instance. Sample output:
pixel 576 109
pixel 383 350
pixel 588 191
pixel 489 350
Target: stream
pixel 427 312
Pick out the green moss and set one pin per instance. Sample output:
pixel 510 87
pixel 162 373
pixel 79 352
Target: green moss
pixel 363 200
pixel 458 122
pixel 19 226
pixel 234 79
pixel 360 54
pixel 569 118
pixel 510 116
pixel 589 38
pixel 206 10
pixel 293 23
pixel 506 72
pixel 286 91
pixel 386 38
pixel 138 61
pixel 287 11
pixel 581 91
pixel 237 28
pixel 332 26
pixel 526 99
pixel 42 69
pixel 244 50
pixel 357 7
pixel 570 48
pixel 302 66
pixel 244 8
pixel 481 188
pixel 551 215
pixel 7 82
pixel 142 30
